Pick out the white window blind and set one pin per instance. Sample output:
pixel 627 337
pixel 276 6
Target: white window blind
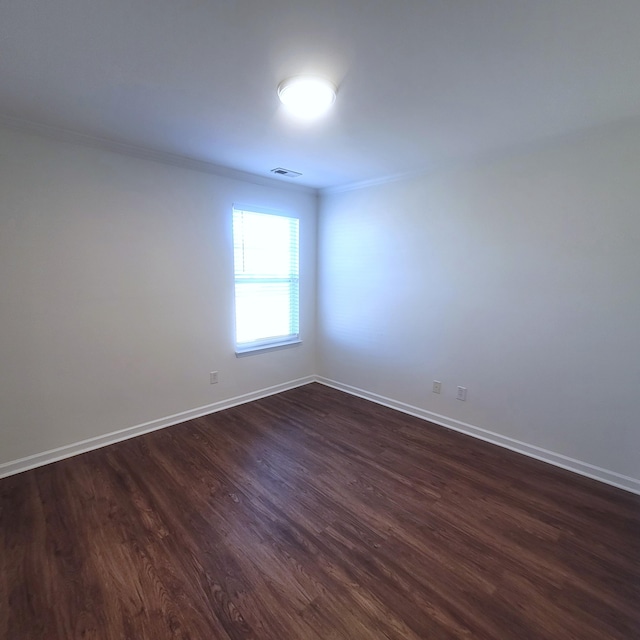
pixel 265 248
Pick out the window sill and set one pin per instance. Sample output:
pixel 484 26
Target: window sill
pixel 250 351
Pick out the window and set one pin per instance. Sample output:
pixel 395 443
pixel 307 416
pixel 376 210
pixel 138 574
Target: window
pixel 265 250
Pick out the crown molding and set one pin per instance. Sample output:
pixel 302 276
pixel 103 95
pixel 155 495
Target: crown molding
pixel 450 166
pixel 144 153
pixel 495 156
pixel 375 182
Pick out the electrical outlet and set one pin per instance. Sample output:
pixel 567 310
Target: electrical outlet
pixel 437 386
pixel 213 377
pixel 462 393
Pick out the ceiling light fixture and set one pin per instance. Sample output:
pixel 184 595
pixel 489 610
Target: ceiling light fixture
pixel 307 97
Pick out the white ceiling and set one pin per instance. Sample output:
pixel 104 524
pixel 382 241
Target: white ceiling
pixel 422 83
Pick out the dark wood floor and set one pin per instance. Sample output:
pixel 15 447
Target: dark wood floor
pixel 315 515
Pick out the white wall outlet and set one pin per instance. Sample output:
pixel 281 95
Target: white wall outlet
pixel 213 377
pixel 437 386
pixel 462 393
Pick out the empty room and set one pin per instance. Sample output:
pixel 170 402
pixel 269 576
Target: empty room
pixel 320 320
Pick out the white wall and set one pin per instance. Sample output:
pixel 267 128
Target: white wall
pixel 518 279
pixel 116 292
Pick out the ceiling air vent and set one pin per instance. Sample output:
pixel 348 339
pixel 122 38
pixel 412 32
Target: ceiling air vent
pixel 279 171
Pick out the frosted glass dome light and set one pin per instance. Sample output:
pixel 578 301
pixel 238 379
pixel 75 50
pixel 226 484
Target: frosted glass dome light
pixel 307 97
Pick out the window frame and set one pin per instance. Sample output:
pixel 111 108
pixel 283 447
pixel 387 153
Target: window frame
pixel 275 342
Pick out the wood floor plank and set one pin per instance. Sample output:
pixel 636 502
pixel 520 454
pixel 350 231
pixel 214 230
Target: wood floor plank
pixel 315 515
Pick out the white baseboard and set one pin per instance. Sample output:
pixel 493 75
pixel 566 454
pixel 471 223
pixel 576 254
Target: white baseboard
pixel 559 460
pixel 53 455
